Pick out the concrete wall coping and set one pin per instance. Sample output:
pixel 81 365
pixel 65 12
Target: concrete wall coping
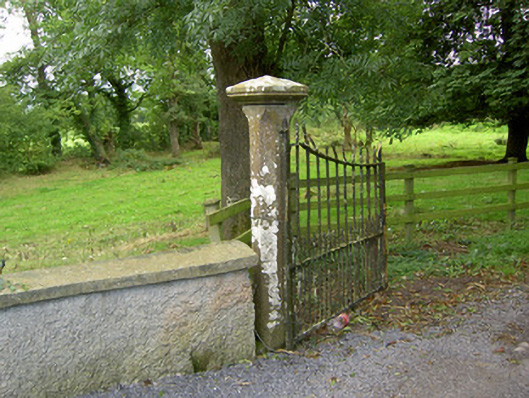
pixel 57 282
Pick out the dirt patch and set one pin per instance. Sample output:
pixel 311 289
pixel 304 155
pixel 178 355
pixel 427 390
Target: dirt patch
pixel 446 248
pixel 412 305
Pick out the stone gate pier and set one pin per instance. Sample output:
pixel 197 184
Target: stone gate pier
pixel 269 104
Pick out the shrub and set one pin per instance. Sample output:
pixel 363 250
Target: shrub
pixel 24 136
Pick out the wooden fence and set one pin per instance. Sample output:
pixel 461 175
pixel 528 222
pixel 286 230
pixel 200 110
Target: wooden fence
pixel 411 215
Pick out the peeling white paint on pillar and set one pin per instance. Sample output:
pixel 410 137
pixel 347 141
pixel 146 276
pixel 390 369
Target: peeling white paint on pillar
pixel 264 236
pixel 262 194
pixel 265 170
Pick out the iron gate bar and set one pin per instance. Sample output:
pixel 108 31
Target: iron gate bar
pixel 319 215
pixel 368 190
pixel 354 188
pixel 354 284
pixel 362 193
pixel 375 187
pixel 328 244
pixel 336 248
pixel 342 254
pixel 308 286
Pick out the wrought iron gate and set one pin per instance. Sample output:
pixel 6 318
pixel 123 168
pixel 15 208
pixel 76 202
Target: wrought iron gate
pixel 337 232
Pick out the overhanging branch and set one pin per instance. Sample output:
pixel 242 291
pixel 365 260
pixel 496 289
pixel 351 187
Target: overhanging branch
pixel 284 33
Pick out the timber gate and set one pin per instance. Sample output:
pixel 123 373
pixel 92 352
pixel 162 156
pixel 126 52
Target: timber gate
pixel 337 232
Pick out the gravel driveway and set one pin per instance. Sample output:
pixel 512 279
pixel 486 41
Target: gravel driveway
pixel 481 354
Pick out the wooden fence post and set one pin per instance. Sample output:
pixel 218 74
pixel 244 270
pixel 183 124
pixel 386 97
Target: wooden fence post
pixel 409 208
pixel 511 195
pixel 215 231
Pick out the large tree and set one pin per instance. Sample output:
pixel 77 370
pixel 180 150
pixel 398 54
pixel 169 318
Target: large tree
pixel 35 66
pixel 480 51
pixel 246 39
pixel 330 45
pixel 355 56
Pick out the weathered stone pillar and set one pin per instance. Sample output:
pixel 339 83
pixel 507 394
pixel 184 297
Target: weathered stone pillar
pixel 269 104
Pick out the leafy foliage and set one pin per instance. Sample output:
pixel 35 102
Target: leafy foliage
pixel 24 144
pixel 128 74
pixel 481 52
pixel 94 62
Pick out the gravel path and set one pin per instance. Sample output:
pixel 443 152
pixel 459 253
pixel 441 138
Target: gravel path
pixel 482 354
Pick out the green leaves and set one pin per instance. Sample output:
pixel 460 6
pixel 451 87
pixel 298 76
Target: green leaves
pixel 24 130
pixel 481 55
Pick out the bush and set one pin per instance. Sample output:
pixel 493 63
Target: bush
pixel 36 167
pixel 25 146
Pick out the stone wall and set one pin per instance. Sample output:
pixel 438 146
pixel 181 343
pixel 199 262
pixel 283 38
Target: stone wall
pixel 84 328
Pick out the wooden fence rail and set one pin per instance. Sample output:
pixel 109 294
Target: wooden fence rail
pixel 215 216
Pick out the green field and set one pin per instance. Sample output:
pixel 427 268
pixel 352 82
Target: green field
pixel 78 214
pixel 81 213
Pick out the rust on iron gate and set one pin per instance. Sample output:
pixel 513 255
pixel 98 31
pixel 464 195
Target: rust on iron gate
pixel 337 232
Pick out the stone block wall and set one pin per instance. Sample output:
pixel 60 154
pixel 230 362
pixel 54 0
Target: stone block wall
pixel 85 328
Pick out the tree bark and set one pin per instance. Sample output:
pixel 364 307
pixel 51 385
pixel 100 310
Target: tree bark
pixel 517 137
pixel 98 149
pixel 84 119
pixel 172 126
pixel 347 125
pixel 369 137
pixel 518 124
pixel 197 141
pixel 233 131
pixel 31 14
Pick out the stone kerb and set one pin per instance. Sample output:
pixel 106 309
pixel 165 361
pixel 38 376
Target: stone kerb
pixel 124 321
pixel 269 104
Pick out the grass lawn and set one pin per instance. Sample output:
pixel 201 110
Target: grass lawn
pixel 78 213
pixel 446 144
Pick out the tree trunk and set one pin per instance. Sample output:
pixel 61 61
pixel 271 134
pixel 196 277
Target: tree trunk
pixel 98 149
pixel 347 127
pixel 369 137
pixel 44 90
pixel 172 126
pixel 197 141
pixel 233 131
pixel 517 139
pixel 55 141
pixel 108 143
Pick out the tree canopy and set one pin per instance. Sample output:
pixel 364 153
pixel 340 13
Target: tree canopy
pixel 387 65
pixel 480 54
